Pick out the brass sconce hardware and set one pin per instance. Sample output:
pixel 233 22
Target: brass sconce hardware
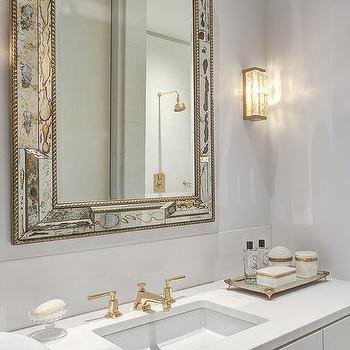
pixel 113 305
pixel 144 298
pixel 255 95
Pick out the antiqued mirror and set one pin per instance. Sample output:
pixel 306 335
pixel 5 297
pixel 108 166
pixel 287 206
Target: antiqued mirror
pixel 112 116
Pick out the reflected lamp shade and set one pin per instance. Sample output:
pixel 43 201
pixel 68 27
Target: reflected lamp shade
pixel 255 94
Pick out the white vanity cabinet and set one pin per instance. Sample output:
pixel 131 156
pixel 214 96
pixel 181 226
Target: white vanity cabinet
pixel 333 337
pixel 312 342
pixel 337 336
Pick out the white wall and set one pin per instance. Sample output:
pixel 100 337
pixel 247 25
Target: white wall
pixel 308 55
pixel 242 147
pixel 74 268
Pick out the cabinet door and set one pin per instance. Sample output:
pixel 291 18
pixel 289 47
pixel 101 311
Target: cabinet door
pixel 312 342
pixel 337 336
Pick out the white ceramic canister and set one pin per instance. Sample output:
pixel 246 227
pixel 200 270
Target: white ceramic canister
pixel 306 263
pixel 280 256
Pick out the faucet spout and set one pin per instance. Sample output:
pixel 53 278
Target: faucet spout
pixel 144 299
pixel 143 302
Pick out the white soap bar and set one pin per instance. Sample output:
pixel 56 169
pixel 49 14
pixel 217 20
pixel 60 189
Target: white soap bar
pixel 276 276
pixel 48 309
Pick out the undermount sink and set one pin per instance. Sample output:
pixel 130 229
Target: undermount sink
pixel 189 326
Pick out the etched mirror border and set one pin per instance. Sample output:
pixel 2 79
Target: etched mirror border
pixel 37 217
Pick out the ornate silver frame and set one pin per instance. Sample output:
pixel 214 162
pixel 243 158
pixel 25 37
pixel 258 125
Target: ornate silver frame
pixel 37 216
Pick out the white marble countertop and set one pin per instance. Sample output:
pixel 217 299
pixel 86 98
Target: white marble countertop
pixel 290 316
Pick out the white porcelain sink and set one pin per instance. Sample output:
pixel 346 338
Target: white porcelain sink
pixel 188 326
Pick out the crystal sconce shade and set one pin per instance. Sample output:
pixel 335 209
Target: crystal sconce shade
pixel 255 94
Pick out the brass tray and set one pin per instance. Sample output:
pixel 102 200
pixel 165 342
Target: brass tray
pixel 240 282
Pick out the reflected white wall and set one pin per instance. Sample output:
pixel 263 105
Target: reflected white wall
pixel 83 99
pixel 169 68
pixel 135 98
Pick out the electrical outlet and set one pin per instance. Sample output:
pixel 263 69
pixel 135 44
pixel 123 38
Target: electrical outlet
pixel 159 182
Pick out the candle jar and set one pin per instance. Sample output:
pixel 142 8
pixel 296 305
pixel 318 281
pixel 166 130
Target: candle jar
pixel 306 263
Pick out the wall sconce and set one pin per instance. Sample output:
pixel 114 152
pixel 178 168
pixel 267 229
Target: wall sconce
pixel 255 96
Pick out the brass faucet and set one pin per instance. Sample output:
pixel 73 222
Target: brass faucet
pixel 144 298
pixel 113 304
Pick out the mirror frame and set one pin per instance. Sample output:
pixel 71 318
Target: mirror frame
pixel 37 216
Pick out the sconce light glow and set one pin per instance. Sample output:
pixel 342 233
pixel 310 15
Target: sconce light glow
pixel 255 94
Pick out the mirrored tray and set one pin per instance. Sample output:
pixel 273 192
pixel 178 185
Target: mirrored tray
pixel 241 283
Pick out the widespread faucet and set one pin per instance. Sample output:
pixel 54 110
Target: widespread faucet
pixel 144 298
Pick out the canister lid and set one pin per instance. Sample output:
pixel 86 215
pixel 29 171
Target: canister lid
pixel 280 253
pixel 306 254
pixel 276 271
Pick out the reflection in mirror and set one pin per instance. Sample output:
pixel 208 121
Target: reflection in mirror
pixel 125 115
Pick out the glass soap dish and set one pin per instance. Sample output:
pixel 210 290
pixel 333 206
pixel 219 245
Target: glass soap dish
pixel 50 332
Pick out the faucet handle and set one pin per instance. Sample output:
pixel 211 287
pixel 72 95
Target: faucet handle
pixel 173 279
pixel 112 294
pixel 168 292
pixel 113 304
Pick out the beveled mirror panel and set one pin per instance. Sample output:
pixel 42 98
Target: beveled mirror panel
pixel 112 116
